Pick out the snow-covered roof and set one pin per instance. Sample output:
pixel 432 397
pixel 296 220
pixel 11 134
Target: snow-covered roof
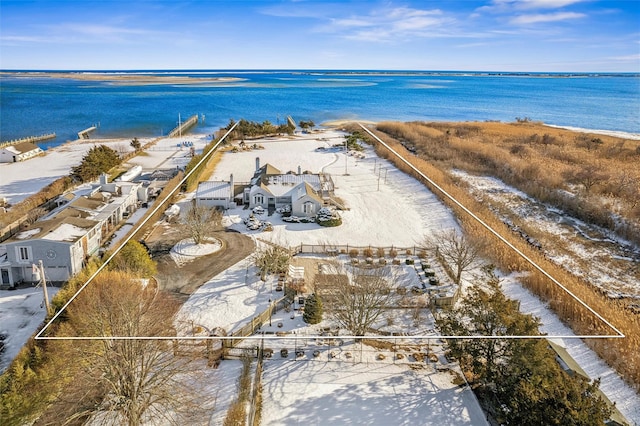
pixel 213 189
pixel 68 229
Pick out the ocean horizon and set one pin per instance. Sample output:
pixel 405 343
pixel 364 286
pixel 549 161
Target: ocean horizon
pixel 35 102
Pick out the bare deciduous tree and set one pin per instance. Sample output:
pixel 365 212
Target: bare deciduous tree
pixel 271 259
pixel 126 381
pixel 201 221
pixel 588 176
pixel 460 253
pixel 358 297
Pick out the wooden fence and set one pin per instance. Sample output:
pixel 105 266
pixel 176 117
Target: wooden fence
pixel 335 249
pixel 255 324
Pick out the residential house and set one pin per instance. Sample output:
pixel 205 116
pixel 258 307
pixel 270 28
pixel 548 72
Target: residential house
pixel 67 236
pixel 306 193
pixel 19 152
pixel 216 194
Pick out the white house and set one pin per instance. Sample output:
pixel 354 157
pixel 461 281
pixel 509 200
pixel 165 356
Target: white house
pixel 19 152
pixel 305 193
pixel 62 244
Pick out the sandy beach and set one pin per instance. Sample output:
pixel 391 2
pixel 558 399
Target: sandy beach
pixel 126 79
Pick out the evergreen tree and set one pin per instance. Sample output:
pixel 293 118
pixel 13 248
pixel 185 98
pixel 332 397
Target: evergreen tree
pixel 100 159
pixel 312 309
pixel 518 380
pixel 135 144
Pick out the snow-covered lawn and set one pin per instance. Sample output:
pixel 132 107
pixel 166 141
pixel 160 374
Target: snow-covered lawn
pixel 21 313
pixel 369 393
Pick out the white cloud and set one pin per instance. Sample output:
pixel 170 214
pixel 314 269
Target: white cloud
pixel 627 58
pixel 389 24
pixel 545 4
pixel 505 5
pixel 545 17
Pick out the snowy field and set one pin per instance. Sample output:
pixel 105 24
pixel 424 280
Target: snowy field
pixel 371 393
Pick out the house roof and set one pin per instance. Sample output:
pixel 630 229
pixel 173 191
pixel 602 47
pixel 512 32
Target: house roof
pixel 269 170
pixel 67 229
pixel 568 363
pixel 262 174
pixel 86 203
pixel 304 189
pixel 213 189
pixel 22 147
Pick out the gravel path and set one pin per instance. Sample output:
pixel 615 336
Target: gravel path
pixel 186 279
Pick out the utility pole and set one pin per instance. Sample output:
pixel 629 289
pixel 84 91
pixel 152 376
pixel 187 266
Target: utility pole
pixel 44 287
pixel 346 157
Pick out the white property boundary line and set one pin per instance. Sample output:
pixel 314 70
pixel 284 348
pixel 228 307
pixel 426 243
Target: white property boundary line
pixel 132 233
pixel 504 240
pixel 39 336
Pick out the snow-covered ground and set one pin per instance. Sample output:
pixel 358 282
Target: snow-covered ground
pixel 400 212
pixel 365 393
pixel 387 208
pixel 611 261
pixel 22 311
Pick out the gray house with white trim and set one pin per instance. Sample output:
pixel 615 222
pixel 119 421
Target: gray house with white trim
pixel 71 233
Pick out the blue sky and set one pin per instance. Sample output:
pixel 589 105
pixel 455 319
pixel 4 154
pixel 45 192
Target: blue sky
pixel 503 35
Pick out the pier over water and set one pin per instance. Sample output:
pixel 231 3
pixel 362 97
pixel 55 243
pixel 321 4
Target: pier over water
pixel 184 126
pixel 31 139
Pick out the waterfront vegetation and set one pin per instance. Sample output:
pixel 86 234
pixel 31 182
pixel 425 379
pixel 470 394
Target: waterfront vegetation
pixel 486 147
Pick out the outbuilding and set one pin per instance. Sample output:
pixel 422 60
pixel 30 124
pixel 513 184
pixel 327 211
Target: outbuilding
pixel 19 152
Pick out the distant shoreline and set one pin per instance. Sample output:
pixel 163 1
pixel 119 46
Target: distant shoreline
pixel 124 79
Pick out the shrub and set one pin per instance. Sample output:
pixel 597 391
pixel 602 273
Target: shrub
pixel 312 310
pixel 368 252
pixel 393 253
pixel 380 252
pixel 337 221
pixel 353 253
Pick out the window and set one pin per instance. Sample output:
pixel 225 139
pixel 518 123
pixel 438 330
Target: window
pixel 23 254
pixel 258 199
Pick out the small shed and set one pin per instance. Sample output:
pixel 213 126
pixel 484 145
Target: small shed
pixel 19 152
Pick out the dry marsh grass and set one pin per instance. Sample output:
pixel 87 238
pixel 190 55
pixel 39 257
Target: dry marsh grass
pixel 488 150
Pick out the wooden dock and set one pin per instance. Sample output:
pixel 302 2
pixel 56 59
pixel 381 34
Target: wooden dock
pixel 184 126
pixel 31 139
pixel 84 134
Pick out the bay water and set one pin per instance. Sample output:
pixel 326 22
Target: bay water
pixel 31 105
